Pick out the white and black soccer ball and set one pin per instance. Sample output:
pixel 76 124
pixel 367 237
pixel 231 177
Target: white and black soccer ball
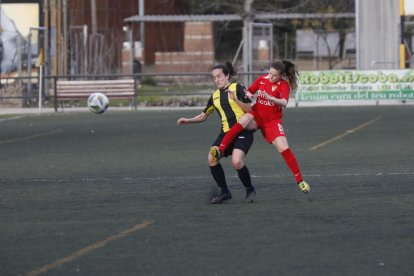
pixel 98 103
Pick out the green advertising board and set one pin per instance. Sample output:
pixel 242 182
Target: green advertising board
pixel 356 85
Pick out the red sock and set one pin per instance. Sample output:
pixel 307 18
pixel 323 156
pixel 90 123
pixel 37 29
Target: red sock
pixel 290 160
pixel 230 136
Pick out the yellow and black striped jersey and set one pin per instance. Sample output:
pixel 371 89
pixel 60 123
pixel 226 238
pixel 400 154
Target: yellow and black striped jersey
pixel 227 109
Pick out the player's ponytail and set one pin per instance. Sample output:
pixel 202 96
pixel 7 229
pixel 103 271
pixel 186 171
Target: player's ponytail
pixel 228 69
pixel 292 73
pixel 287 69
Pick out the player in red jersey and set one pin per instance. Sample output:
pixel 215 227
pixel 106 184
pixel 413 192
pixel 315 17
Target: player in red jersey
pixel 272 92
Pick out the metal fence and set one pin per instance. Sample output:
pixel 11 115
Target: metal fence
pixel 24 91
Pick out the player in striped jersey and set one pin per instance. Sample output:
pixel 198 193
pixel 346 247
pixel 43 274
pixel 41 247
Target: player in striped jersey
pixel 231 103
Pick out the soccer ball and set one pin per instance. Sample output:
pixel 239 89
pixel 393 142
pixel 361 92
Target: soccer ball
pixel 98 103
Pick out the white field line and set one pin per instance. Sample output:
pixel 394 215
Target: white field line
pixel 163 178
pixel 29 137
pixel 90 248
pixel 350 131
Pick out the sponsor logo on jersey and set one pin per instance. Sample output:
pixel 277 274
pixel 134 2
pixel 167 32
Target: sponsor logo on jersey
pixel 265 102
pixel 262 100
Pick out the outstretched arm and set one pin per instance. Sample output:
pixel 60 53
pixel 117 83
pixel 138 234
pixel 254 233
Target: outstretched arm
pixel 194 120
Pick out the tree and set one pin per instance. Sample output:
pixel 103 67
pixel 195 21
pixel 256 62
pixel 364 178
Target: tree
pixel 322 26
pixel 325 26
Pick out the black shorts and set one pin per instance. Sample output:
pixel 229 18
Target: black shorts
pixel 242 142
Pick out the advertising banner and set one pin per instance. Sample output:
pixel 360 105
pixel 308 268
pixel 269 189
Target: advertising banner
pixel 356 85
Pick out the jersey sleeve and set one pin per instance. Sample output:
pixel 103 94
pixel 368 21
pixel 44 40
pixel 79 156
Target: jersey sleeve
pixel 241 94
pixel 209 107
pixel 254 87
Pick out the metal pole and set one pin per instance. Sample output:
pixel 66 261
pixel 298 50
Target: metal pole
pixel 93 16
pixel 402 46
pixel 29 63
pixel 317 49
pixel 29 56
pixel 55 93
pixel 41 61
pixel 65 38
pixel 246 38
pixel 357 35
pixel 246 53
pixel 47 58
pixel 40 86
pixel 286 46
pixel 85 48
pixel 142 24
pixel 271 43
pixel 131 49
pixel 249 77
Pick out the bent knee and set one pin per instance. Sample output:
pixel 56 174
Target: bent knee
pixel 237 164
pixel 246 119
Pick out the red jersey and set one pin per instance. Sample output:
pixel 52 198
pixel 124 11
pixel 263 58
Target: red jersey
pixel 268 110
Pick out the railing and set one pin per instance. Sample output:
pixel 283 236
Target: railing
pixel 315 86
pixel 147 84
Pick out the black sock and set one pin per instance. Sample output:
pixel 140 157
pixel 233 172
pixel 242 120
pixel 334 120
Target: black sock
pixel 218 174
pixel 244 176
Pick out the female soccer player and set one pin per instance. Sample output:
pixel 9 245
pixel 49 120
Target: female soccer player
pixel 272 95
pixel 230 102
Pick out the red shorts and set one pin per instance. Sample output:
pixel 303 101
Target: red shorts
pixel 271 129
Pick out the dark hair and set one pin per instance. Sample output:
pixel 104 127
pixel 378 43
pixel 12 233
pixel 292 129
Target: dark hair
pixel 228 69
pixel 287 69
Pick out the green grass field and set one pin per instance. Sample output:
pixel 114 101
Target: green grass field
pixel 126 193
